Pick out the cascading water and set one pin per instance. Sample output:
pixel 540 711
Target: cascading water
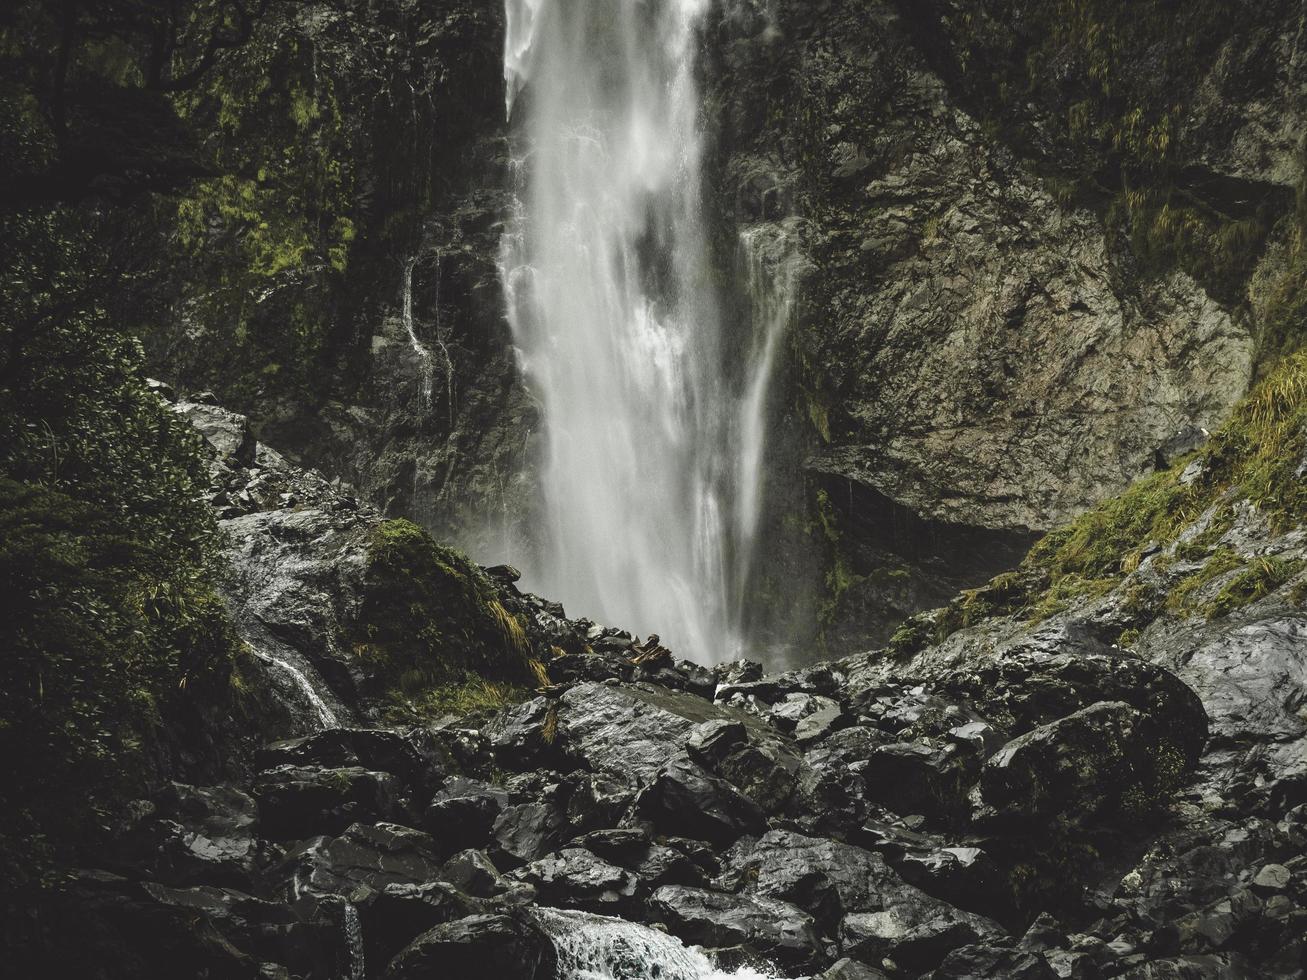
pixel 651 497
pixel 302 687
pixel 354 943
pixel 596 947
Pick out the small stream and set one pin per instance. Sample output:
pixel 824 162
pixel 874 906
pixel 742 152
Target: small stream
pixel 597 947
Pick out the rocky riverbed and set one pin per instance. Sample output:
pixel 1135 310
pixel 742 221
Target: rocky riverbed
pixel 1017 801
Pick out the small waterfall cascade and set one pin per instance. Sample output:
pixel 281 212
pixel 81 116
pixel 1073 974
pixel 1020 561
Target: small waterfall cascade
pixel 596 947
pixel 354 943
pixel 301 684
pixel 771 264
pixel 420 350
pixel 650 491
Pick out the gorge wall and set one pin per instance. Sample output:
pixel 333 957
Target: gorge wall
pixel 1028 264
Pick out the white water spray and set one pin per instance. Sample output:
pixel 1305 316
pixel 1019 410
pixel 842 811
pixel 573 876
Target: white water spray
pixel 651 495
pixel 597 947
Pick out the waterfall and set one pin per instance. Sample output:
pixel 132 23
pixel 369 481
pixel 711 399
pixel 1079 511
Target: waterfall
pixel 301 683
pixel 771 265
pixel 420 350
pixel 354 943
pixel 651 498
pixel 596 947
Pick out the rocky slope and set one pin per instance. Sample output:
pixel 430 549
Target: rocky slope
pixel 1018 800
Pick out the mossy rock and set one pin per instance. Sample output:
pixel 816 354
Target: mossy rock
pixel 431 619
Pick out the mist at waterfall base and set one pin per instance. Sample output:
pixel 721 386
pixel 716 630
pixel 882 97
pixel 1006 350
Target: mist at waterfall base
pixel 652 421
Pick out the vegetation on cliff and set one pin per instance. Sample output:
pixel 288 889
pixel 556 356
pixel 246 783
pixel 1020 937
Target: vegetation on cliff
pixel 107 551
pixel 1256 459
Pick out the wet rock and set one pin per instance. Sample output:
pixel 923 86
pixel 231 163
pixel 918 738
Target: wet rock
pixel 149 929
pixel 653 863
pixel 970 962
pixel 192 835
pixel 576 878
pixel 1100 758
pixel 298 801
pixel 504 946
pixel 923 777
pixel 473 873
pixel 397 914
pixel 416 757
pixel 526 831
pixel 463 812
pixel 847 969
pixel 917 932
pixel 684 800
pixel 364 854
pixel 774 928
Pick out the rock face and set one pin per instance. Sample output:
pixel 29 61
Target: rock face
pixel 981 344
pixel 979 354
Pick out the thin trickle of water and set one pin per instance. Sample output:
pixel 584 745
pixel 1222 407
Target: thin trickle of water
pixel 420 350
pixel 354 943
pixel 596 947
pixel 650 493
pixel 771 267
pixel 325 715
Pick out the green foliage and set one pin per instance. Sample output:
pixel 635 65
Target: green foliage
pixel 107 549
pixel 1255 456
pixel 1262 577
pixel 432 630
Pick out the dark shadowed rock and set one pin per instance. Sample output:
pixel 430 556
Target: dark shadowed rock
pixel 375 856
pixel 416 757
pixel 503 946
pixel 1104 756
pixel 684 800
pixel 576 878
pixel 398 913
pixel 298 801
pixel 774 928
pixel 917 932
pixel 847 969
pixel 973 962
pixel 474 873
pixel 462 813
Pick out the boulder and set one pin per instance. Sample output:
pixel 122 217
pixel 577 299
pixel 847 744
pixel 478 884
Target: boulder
pixel 684 800
pixel 971 962
pixel 373 855
pixel 298 801
pixel 576 878
pixel 1098 759
pixel 506 946
pixel 192 835
pixel 228 434
pixel 775 929
pixel 473 873
pixel 916 932
pixel 400 912
pixel 463 812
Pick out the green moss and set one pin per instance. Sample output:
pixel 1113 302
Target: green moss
pixel 472 696
pixel 431 622
pixel 1255 456
pixel 1224 560
pixel 1262 577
